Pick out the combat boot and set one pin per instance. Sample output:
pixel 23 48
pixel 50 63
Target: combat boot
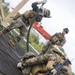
pixel 12 43
pixel 1 32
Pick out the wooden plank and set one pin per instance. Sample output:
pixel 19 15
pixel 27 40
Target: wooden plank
pixel 16 9
pixel 9 57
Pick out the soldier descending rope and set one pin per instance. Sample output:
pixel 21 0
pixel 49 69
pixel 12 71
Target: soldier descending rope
pixel 53 62
pixel 23 21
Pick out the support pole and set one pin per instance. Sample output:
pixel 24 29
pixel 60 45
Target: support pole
pixel 1 8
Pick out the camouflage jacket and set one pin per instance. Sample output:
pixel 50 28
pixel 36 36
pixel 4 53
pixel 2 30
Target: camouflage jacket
pixel 58 39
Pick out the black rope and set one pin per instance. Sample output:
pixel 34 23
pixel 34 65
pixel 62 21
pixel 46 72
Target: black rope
pixel 31 23
pixel 28 35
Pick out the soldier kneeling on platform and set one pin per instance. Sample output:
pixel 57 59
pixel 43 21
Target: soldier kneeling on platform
pixel 52 64
pixel 22 22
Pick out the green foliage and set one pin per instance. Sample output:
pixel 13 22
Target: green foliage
pixel 34 41
pixel 38 47
pixel 12 35
pixel 73 74
pixel 33 38
pixel 22 46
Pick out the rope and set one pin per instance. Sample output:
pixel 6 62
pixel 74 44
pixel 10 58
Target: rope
pixel 28 35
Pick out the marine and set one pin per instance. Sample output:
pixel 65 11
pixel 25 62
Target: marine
pixel 23 21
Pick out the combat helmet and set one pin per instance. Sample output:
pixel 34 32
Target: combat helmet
pixel 66 30
pixel 46 12
pixel 28 55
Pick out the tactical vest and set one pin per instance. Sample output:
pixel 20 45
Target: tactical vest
pixel 29 14
pixel 57 39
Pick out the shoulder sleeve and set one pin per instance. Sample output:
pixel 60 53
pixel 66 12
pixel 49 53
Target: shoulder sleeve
pixel 63 41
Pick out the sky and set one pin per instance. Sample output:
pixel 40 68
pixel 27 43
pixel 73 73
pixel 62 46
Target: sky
pixel 63 16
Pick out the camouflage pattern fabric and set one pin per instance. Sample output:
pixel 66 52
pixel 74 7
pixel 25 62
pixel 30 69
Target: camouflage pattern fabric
pixel 44 63
pixel 20 25
pixel 18 15
pixel 22 22
pixel 56 39
pixel 26 71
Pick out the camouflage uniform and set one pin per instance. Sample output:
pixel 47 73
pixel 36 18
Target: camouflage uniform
pixel 20 22
pixel 23 21
pixel 57 39
pixel 44 63
pixel 26 57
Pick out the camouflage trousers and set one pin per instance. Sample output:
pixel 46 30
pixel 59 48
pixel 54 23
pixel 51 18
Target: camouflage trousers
pixel 20 25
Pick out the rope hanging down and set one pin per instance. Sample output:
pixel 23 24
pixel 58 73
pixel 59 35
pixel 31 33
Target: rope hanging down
pixel 28 34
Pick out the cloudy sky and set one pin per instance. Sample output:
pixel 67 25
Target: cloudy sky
pixel 63 15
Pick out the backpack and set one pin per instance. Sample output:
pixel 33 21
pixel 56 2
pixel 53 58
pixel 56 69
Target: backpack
pixel 29 14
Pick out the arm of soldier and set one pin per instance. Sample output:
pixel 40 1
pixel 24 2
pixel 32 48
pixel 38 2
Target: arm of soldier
pixel 16 16
pixel 37 60
pixel 63 41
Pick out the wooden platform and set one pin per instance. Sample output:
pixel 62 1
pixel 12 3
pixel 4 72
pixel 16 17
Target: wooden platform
pixel 9 57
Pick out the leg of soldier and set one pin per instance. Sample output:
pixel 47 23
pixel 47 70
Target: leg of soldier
pixel 8 29
pixel 15 24
pixel 20 25
pixel 26 71
pixel 23 34
pixel 22 29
